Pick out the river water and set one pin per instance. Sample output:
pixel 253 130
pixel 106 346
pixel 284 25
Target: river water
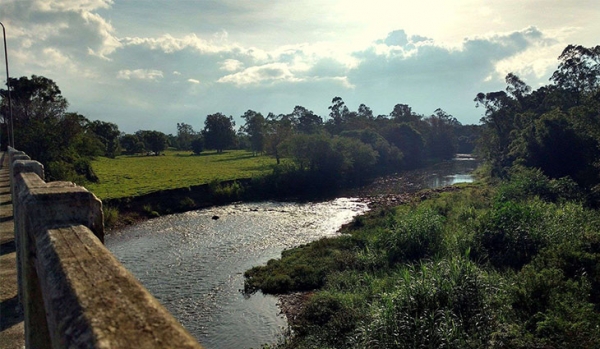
pixel 194 264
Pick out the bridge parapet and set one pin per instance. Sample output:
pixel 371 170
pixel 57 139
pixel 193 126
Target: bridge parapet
pixel 74 292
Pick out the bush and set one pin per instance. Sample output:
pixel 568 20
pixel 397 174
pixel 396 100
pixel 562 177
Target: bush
pixel 413 235
pixel 197 146
pixel 187 204
pixel 509 235
pixel 111 216
pixel 526 183
pixel 328 318
pixel 447 304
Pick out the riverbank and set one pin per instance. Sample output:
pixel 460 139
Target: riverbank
pixel 514 265
pixel 293 304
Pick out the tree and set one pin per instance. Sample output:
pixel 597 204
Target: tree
pixel 74 133
pixel 108 133
pixel 131 144
pixel 499 122
pixel 552 144
pixel 218 132
pixel 38 107
pixel 410 142
pixel 185 135
pixel 359 158
pixel 404 113
pixel 279 129
pixel 46 132
pixel 255 128
pixel 197 145
pixel 389 157
pixel 154 141
pixel 306 121
pixel 555 128
pixel 365 112
pixel 440 140
pixel 338 115
pixel 578 72
pixel 516 87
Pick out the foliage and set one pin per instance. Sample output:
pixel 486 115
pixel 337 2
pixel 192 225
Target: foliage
pixel 132 144
pixel 154 141
pixel 185 136
pixel 412 235
pixel 218 132
pixel 409 141
pixel 111 216
pixel 555 128
pixel 440 140
pixel 255 128
pixel 197 145
pixel 43 128
pixel 108 133
pixel 447 304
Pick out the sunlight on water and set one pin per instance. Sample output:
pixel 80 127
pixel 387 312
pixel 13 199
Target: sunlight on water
pixel 194 264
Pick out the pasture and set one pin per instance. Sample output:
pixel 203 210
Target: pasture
pixel 133 175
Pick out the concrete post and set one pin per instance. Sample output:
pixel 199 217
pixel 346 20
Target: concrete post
pixel 16 167
pixel 41 206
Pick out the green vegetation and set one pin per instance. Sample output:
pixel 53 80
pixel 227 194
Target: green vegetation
pixel 126 176
pixel 471 268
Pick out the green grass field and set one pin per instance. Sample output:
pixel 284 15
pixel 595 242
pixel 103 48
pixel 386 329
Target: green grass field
pixel 127 176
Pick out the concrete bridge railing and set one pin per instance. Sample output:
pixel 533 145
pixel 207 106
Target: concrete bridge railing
pixel 74 292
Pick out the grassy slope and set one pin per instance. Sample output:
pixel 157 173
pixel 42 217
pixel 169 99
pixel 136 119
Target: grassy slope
pixel 136 175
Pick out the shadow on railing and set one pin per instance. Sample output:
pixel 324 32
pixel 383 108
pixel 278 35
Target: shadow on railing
pixel 74 292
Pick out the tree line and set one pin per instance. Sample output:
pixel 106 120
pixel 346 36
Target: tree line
pixel 350 144
pixel 555 128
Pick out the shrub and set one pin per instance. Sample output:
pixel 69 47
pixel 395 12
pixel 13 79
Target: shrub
pixel 187 204
pixel 328 317
pixel 449 304
pixel 413 235
pixel 526 183
pixel 111 216
pixel 508 235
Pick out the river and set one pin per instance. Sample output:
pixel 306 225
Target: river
pixel 193 262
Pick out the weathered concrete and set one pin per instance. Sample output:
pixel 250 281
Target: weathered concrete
pixel 20 163
pixel 74 293
pixel 91 298
pixel 12 334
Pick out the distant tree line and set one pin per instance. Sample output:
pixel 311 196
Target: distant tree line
pixel 349 144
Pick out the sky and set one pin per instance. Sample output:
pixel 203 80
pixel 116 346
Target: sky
pixel 150 64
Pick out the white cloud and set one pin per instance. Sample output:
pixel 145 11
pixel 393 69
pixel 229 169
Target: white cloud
pixel 70 5
pixel 109 42
pixel 140 74
pixel 379 53
pixel 169 44
pixel 231 65
pixel 271 72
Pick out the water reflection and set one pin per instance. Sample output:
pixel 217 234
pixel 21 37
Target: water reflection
pixel 194 264
pixel 452 172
